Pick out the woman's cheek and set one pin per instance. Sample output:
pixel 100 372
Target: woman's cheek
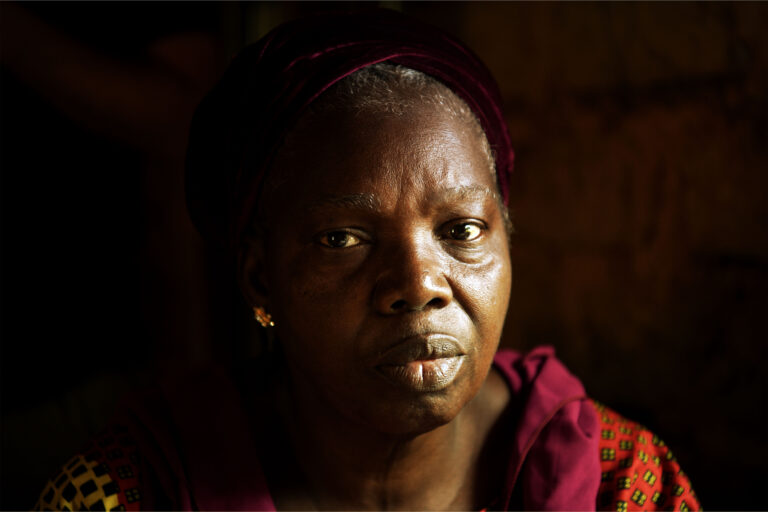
pixel 485 291
pixel 486 280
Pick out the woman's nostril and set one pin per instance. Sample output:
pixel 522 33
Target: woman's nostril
pixel 398 305
pixel 437 302
pixel 402 305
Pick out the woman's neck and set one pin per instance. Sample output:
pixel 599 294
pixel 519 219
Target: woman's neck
pixel 349 466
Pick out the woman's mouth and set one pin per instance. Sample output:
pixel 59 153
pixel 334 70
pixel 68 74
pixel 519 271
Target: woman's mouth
pixel 426 375
pixel 422 363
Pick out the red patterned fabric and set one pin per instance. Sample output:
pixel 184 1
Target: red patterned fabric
pixel 639 471
pixel 117 452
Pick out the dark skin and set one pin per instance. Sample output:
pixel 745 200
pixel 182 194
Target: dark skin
pixel 386 238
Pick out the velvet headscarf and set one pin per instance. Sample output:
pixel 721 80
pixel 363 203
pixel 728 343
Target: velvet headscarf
pixel 241 123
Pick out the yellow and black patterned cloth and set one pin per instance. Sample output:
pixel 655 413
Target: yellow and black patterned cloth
pixel 105 476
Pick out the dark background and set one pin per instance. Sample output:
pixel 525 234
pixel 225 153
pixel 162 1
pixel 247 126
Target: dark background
pixel 639 199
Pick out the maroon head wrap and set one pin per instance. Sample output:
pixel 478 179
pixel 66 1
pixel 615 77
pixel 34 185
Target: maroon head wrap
pixel 241 123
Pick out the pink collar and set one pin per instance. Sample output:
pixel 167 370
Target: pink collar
pixel 554 464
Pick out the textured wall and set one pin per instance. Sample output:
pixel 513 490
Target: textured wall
pixel 639 200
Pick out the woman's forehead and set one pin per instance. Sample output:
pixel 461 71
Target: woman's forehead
pixel 424 150
pixel 369 201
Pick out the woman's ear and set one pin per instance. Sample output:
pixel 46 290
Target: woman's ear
pixel 251 275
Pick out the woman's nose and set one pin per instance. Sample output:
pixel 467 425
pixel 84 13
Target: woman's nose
pixel 414 279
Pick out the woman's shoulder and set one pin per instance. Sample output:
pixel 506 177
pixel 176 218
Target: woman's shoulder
pixel 102 476
pixel 162 441
pixel 573 439
pixel 639 471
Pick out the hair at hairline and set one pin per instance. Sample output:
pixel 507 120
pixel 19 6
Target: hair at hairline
pixel 392 90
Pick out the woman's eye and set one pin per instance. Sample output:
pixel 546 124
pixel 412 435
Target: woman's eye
pixel 339 239
pixel 465 231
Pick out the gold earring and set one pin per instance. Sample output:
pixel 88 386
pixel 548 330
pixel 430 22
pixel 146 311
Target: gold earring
pixel 261 316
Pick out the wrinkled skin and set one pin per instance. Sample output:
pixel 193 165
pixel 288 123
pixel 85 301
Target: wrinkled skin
pixel 384 231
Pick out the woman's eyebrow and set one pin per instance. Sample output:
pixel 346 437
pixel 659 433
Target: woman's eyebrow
pixel 365 202
pixel 464 193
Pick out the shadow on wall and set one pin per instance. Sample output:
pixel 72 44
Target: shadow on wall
pixel 639 201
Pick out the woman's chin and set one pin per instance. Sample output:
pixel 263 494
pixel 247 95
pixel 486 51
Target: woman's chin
pixel 395 405
pixel 412 416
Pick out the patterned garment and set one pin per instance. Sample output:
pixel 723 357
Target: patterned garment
pixel 104 477
pixel 639 472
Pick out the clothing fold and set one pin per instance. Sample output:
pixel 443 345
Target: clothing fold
pixel 555 463
pixel 195 438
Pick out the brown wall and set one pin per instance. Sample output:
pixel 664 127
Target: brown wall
pixel 639 199
pixel 641 206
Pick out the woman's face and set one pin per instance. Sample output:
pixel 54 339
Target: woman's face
pixel 386 266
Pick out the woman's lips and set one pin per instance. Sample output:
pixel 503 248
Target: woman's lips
pixel 424 375
pixel 427 362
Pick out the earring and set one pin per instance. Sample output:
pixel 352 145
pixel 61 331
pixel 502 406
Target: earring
pixel 261 316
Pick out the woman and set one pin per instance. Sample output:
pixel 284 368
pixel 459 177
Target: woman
pixel 357 165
